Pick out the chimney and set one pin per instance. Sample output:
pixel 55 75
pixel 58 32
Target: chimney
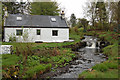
pixel 62 15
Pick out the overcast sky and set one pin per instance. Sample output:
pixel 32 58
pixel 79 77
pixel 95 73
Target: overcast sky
pixel 69 6
pixel 72 6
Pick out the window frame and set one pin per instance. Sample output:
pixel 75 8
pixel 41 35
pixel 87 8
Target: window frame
pixel 54 34
pixel 19 18
pixel 39 32
pixel 17 34
pixel 53 19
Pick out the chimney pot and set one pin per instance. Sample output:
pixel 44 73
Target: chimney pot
pixel 62 15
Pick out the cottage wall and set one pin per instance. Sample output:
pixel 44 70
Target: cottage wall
pixel 30 34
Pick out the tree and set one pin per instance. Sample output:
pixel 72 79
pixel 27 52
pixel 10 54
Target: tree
pixel 84 23
pixel 113 10
pixel 45 8
pixel 73 20
pixel 79 24
pixel 17 7
pixel 91 12
pixel 101 14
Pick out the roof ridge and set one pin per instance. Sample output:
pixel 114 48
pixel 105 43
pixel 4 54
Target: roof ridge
pixel 33 15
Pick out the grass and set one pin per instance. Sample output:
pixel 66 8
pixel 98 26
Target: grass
pixel 39 68
pixel 8 59
pixel 111 73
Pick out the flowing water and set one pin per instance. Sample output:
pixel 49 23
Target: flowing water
pixel 89 56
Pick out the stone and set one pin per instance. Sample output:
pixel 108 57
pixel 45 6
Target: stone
pixel 6 49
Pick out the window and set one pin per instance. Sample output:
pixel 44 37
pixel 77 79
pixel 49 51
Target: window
pixel 38 31
pixel 53 19
pixel 19 32
pixel 55 33
pixel 19 18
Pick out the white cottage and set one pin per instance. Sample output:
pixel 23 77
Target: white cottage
pixel 35 28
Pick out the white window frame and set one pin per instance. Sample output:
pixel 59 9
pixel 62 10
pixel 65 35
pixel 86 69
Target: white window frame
pixel 53 19
pixel 19 18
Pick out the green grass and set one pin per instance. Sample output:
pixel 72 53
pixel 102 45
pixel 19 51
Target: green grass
pixel 39 68
pixel 8 59
pixel 111 73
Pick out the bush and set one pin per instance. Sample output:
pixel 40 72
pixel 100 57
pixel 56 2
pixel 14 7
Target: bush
pixel 33 61
pixel 12 39
pixel 81 29
pixel 55 58
pixel 45 59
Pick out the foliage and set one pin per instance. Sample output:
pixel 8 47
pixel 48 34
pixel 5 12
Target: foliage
pixel 12 38
pixel 83 23
pixel 45 8
pixel 73 20
pixel 103 15
pixel 33 61
pixel 16 7
pixel 25 35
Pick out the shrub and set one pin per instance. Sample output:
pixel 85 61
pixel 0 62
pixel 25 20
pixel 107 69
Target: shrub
pixel 33 61
pixel 55 58
pixel 45 59
pixel 12 39
pixel 81 29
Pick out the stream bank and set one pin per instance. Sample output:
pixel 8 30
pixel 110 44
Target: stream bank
pixel 86 58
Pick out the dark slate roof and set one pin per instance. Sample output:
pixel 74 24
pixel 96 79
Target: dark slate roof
pixel 34 21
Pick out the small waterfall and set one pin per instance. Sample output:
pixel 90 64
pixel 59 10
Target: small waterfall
pixel 91 41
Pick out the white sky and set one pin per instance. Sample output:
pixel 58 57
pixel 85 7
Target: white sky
pixel 69 6
pixel 72 6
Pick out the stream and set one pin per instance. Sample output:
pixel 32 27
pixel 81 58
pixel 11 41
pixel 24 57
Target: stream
pixel 88 57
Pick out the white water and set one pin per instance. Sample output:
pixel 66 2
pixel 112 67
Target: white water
pixel 91 41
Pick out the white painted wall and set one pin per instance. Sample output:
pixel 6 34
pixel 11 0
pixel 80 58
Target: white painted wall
pixel 46 34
